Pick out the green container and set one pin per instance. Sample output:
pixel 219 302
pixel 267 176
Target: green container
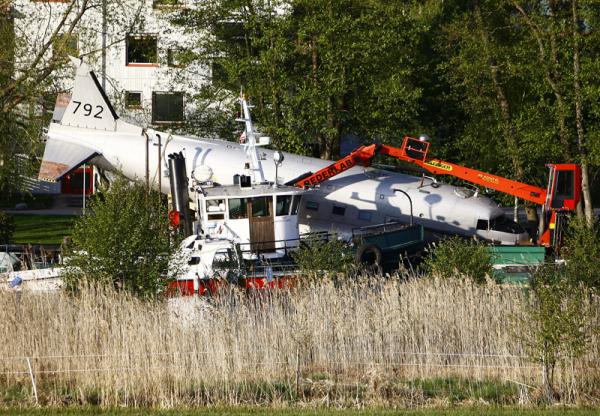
pixel 516 264
pixel 392 236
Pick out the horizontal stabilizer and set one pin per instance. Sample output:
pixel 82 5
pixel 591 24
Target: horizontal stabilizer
pixel 61 158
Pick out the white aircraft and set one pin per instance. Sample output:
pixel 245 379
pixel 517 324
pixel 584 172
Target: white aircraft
pixel 91 131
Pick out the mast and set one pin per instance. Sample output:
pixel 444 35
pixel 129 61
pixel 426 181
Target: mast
pixel 251 145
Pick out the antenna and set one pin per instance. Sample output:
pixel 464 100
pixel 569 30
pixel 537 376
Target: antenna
pixel 251 146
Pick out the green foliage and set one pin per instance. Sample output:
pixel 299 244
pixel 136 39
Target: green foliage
pixel 457 257
pixel 123 240
pixel 581 250
pixel 560 313
pixel 319 257
pixel 7 227
pixel 317 71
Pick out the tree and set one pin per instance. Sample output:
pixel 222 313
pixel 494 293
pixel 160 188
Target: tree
pixel 34 68
pixel 565 34
pixel 316 70
pixel 560 315
pixel 122 240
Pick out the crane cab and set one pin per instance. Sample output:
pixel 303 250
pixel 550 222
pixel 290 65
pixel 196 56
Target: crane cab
pixel 564 187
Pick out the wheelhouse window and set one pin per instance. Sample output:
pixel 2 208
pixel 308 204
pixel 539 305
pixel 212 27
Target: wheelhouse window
pixel 167 107
pixel 260 206
pixel 215 209
pixel 283 205
pixel 238 208
pixel 133 99
pixel 296 204
pixel 141 50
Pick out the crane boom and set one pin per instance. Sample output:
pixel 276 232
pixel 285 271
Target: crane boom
pixel 439 167
pixel 563 191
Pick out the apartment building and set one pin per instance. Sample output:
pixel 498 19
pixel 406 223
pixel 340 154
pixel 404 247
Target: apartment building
pixel 142 74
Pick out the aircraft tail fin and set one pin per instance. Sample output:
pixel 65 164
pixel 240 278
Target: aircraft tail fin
pixel 89 106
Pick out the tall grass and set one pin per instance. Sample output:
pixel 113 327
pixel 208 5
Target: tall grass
pixel 381 342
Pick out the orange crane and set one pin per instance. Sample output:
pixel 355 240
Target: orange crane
pixel 562 194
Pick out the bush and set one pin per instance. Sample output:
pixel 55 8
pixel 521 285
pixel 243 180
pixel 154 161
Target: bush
pixel 123 240
pixel 318 257
pixel 7 227
pixel 581 250
pixel 455 257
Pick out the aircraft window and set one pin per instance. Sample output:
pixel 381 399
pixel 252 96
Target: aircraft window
pixel 312 205
pixel 215 209
pixel 260 206
pixel 238 208
pixel 464 192
pixel 365 215
pixel 338 210
pixel 283 204
pixel 505 225
pixel 296 204
pixel 482 224
pixel 133 99
pixel 141 49
pixel 167 107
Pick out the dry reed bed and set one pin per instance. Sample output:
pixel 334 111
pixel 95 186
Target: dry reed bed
pixel 357 342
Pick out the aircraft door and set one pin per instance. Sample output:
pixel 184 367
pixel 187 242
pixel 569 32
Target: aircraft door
pixel 262 224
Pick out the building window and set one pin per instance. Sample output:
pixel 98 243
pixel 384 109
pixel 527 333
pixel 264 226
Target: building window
pixel 167 107
pixel 166 4
pixel 142 50
pixel 63 45
pixel 365 215
pixel 312 205
pixel 336 210
pixel 133 99
pixel 174 58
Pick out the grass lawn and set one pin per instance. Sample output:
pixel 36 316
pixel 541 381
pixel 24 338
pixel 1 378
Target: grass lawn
pixel 42 229
pixel 220 411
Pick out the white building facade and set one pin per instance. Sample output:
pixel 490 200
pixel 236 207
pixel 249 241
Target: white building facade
pixel 143 75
